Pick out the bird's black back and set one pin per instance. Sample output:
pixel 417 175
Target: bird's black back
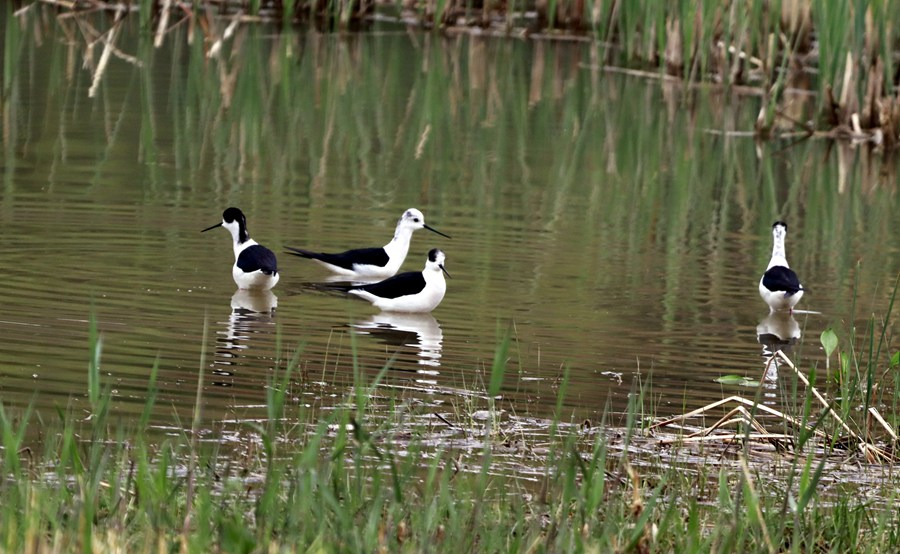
pixel 257 257
pixel 779 278
pixel 368 256
pixel 394 287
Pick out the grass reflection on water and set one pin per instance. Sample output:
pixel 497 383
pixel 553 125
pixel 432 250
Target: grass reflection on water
pixel 616 222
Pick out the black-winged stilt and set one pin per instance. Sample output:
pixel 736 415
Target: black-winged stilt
pixel 255 266
pixel 377 263
pixel 414 292
pixel 779 285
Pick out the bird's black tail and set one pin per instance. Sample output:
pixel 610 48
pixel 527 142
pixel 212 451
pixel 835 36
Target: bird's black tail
pixel 341 287
pixel 330 287
pixel 302 253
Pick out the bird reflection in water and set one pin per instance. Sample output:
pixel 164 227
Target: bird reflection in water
pixel 778 331
pixel 254 302
pixel 252 314
pixel 420 331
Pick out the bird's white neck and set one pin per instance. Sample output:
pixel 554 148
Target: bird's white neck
pixel 432 273
pixel 434 279
pixel 239 234
pixel 241 246
pixel 778 253
pixel 399 245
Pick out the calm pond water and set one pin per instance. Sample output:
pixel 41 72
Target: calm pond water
pixel 618 226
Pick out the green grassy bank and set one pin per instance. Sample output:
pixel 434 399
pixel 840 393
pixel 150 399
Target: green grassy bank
pixel 354 480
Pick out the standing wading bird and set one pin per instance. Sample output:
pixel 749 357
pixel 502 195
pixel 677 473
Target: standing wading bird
pixel 415 291
pixel 378 263
pixel 779 286
pixel 255 266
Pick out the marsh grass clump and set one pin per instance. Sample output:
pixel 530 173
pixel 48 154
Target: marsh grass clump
pixel 363 478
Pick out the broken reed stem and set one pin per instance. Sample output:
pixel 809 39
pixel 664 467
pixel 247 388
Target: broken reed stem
pixel 727 438
pixel 70 5
pixel 163 23
pixel 740 400
pixel 872 453
pixel 887 426
pixel 21 11
pixel 729 418
pixel 217 46
pixel 818 395
pixel 104 59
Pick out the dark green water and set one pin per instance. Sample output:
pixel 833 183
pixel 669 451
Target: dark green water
pixel 613 222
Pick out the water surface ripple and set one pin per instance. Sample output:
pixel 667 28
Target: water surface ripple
pixel 591 215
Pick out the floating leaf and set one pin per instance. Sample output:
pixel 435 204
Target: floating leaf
pixel 829 340
pixel 739 380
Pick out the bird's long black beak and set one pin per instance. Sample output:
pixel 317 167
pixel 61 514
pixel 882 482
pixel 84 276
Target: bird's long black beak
pixel 444 270
pixel 219 224
pixel 433 230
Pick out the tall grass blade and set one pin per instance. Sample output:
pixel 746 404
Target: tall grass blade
pixel 96 346
pixel 498 367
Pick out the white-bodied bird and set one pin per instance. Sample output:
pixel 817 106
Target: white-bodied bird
pixel 414 292
pixel 373 263
pixel 779 286
pixel 255 266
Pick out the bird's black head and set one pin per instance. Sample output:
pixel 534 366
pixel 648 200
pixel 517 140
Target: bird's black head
pixel 233 220
pixel 233 214
pixel 779 222
pixel 436 256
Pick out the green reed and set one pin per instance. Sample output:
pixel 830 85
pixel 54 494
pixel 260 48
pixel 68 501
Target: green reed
pixel 866 365
pixel 754 42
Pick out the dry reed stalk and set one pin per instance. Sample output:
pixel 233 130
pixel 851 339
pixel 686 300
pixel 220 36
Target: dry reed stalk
pixel 673 52
pixel 849 102
pixel 744 417
pixel 745 90
pixel 740 400
pixel 104 59
pixel 726 438
pixel 870 451
pixel 216 47
pixel 23 10
pixel 163 22
pixel 79 14
pixel 730 418
pixel 887 426
pixel 69 5
pixel 423 139
pixel 123 56
pixel 817 394
pixel 107 39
